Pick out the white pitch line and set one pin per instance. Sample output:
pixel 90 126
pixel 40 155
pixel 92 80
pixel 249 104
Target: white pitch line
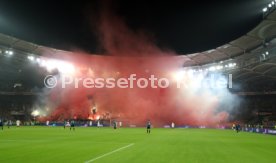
pixel 109 153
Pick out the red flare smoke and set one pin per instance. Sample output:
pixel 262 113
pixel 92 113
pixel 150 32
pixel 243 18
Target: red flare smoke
pixel 133 53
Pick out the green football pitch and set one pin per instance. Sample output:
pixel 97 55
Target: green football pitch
pixel 130 145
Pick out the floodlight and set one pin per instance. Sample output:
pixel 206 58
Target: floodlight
pixel 35 113
pixel 10 52
pixel 179 75
pixel 38 60
pixel 31 58
pixel 212 68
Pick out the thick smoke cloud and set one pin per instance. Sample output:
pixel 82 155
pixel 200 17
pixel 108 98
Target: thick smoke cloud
pixel 133 52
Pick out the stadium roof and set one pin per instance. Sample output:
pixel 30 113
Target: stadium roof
pixel 256 38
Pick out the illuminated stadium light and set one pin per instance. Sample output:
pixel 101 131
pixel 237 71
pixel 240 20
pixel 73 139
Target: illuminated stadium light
pixel 270 5
pixel 272 2
pixel 219 67
pixel 38 60
pixel 267 53
pixel 31 58
pixel 232 65
pixel 265 9
pixel 179 75
pixel 35 113
pixel 42 63
pixel 61 66
pixel 51 65
pixel 212 68
pixel 64 67
pixel 9 52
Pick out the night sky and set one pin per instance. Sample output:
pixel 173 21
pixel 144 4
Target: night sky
pixel 185 27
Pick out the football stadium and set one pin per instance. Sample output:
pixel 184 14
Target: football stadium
pixel 138 81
